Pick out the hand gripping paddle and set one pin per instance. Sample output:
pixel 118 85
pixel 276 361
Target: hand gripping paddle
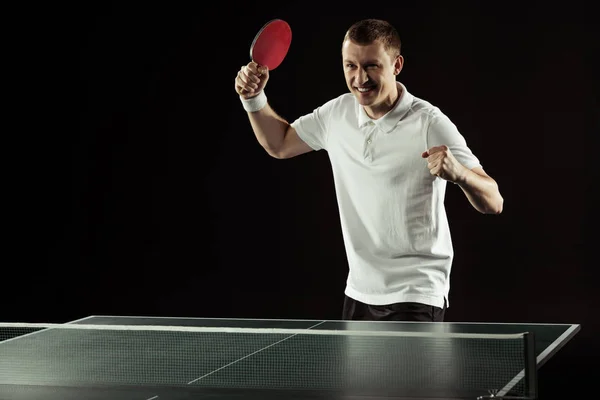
pixel 271 44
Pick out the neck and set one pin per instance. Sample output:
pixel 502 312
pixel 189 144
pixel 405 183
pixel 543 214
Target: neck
pixel 379 110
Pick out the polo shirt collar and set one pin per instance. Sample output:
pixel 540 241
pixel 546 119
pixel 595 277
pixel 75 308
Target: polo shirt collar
pixel 389 121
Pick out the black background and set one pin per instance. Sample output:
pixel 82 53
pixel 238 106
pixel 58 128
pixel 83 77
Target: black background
pixel 137 186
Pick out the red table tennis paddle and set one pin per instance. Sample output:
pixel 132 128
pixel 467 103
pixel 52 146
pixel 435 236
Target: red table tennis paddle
pixel 271 44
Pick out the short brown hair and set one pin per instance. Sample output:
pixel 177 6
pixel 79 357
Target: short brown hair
pixel 367 31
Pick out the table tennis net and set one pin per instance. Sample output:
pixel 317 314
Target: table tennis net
pixel 358 362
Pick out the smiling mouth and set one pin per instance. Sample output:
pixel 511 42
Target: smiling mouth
pixel 365 89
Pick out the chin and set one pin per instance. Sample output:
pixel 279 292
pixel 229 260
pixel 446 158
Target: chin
pixel 364 101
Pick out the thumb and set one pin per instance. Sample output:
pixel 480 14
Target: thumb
pixel 263 70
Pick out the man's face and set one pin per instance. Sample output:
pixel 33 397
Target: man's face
pixel 370 73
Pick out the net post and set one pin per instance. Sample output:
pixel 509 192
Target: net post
pixel 531 376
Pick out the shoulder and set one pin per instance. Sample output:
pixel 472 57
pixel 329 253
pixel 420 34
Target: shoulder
pixel 430 115
pixel 339 105
pixel 338 108
pixel 425 108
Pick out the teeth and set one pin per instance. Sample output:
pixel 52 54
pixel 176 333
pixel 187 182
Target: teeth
pixel 364 89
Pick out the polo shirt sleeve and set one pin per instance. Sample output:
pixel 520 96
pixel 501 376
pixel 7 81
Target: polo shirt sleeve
pixel 312 127
pixel 442 131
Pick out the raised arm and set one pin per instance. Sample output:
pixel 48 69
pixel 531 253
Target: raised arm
pixel 274 133
pixel 481 190
pixel 450 158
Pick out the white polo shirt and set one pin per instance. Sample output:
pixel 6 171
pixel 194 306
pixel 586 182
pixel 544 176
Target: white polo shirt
pixel 394 226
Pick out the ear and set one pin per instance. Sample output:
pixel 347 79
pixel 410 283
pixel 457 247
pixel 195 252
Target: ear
pixel 398 64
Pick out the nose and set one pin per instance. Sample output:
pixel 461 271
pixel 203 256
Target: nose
pixel 361 76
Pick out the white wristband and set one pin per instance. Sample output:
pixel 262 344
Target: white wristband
pixel 255 103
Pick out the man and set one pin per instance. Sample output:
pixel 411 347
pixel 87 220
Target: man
pixel 392 155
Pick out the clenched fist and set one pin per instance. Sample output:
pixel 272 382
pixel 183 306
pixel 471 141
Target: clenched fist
pixel 251 79
pixel 442 163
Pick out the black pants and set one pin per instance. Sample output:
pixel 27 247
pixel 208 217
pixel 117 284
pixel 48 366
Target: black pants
pixel 355 310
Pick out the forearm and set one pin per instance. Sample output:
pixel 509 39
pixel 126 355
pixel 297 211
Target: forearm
pixel 269 128
pixel 482 192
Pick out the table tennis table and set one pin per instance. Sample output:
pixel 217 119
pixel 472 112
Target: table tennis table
pixel 169 358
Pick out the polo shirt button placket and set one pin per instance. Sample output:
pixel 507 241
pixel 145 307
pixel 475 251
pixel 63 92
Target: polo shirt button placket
pixel 369 147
